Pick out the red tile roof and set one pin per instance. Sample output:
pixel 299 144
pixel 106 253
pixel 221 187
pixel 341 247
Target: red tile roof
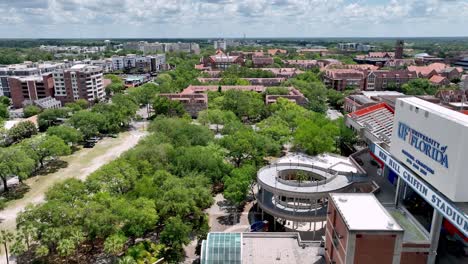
pixel 437 79
pixel 425 71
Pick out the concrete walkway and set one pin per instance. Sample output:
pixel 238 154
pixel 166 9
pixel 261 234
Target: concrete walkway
pixel 221 219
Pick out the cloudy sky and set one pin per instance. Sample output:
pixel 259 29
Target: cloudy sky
pixel 231 18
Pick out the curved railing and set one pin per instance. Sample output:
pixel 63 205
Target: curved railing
pixel 269 207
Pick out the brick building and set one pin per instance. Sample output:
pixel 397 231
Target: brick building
pixel 193 103
pixel 262 61
pixel 283 72
pixel 437 68
pixel 360 230
pixel 252 81
pixel 340 79
pixel 222 60
pixel 79 82
pixel 383 79
pixel 30 88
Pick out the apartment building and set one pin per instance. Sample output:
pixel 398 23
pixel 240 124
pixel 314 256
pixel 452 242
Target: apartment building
pixel 117 63
pixel 79 82
pixel 220 44
pixel 30 88
pixel 151 63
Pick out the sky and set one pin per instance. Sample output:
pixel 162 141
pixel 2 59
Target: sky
pixel 232 18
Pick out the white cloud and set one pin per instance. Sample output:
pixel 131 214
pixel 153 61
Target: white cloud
pixel 206 18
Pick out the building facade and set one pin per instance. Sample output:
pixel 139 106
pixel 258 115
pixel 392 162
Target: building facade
pixel 340 79
pixel 79 82
pixel 383 79
pixel 30 88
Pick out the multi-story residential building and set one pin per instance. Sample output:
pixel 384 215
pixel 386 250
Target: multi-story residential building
pixel 30 88
pixel 151 63
pixel 383 79
pixel 157 62
pixel 19 70
pixel 117 63
pixel 153 48
pixel 142 64
pixel 129 61
pixel 340 79
pixel 220 44
pixel 133 45
pixel 462 62
pixel 79 82
pixel 106 64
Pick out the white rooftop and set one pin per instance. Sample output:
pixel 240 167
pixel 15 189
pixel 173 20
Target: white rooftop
pixel 362 211
pixel 381 93
pixel 436 110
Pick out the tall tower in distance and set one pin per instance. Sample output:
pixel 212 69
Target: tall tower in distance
pixel 399 49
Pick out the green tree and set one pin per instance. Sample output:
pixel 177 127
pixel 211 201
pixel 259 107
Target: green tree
pixel 22 130
pixel 50 117
pixel 5 100
pixel 175 235
pixel 31 110
pixel 216 117
pixel 80 104
pixel 276 128
pixel 87 122
pixel 114 244
pixel 66 247
pixel 5 238
pixel 237 185
pixel 244 104
pixel 144 94
pixel 419 87
pixel 247 145
pixel 316 136
pixel 18 247
pixel 113 78
pixel 115 88
pixel 29 234
pixel 4 111
pixel 167 107
pixel 67 133
pixel 15 162
pixel 43 147
pixel 302 176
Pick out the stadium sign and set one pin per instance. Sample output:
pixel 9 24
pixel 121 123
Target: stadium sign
pixel 436 200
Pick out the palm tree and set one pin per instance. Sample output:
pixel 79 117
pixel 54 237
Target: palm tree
pixel 5 238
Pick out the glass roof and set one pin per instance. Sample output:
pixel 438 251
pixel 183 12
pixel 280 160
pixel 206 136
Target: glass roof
pixel 221 248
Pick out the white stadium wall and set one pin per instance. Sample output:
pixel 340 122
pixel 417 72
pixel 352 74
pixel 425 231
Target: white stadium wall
pixel 432 140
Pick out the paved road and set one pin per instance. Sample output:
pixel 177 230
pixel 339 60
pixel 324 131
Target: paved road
pixel 80 165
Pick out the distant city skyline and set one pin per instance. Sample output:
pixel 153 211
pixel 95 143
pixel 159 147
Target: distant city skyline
pixel 232 19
